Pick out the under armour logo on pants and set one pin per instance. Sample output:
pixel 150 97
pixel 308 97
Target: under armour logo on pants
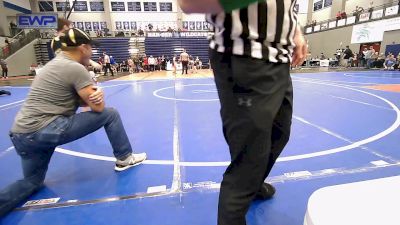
pixel 244 102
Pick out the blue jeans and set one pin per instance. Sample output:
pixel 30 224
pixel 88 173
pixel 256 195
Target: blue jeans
pixel 370 63
pixel 36 149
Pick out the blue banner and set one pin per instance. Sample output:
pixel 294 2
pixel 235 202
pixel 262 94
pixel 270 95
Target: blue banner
pixel 37 21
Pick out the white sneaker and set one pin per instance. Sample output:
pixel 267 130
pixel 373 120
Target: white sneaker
pixel 130 161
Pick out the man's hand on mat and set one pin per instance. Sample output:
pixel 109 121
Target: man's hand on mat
pixel 97 97
pixel 301 49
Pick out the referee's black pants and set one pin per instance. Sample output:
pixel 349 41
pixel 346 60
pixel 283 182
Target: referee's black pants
pixel 4 72
pixel 256 109
pixel 108 67
pixel 185 66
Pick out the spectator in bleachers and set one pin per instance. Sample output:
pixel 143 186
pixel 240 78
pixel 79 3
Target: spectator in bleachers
pixel 314 23
pixel 358 11
pixel 380 60
pixel 356 60
pixel 163 63
pixel 136 61
pixel 348 56
pixel 106 30
pixel 390 62
pixel 371 7
pixel 344 15
pixel 123 67
pixel 140 32
pixel 191 63
pixel 322 56
pixel 368 57
pixel 397 66
pixel 362 59
pixel 152 63
pixel 145 63
pixel 197 63
pixel 159 63
pixel 374 59
pixel 338 16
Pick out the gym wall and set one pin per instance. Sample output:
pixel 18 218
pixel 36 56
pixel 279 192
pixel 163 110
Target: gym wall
pixel 390 38
pixel 319 44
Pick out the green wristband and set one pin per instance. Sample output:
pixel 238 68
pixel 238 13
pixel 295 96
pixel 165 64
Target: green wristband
pixel 230 5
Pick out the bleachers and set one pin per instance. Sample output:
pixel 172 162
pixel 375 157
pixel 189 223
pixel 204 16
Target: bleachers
pixel 123 48
pixel 195 46
pixel 116 47
pixel 136 45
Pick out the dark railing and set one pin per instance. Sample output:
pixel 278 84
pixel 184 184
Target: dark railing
pixel 321 25
pixel 18 42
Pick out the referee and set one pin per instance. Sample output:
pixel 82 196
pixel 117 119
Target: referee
pixel 251 51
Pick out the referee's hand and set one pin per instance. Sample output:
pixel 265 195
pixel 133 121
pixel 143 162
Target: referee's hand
pixel 301 49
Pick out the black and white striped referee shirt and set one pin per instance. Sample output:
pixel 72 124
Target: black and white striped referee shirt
pixel 263 30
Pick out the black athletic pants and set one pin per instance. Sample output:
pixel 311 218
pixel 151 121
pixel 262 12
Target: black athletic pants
pixel 185 67
pixel 108 67
pixel 5 72
pixel 256 109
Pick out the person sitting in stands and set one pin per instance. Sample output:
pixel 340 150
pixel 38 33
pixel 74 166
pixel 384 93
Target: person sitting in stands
pixel 360 9
pixel 371 7
pixel 159 63
pixel 344 15
pixel 339 16
pixel 374 59
pixel 369 57
pixel 397 66
pixel 322 57
pixel 197 63
pixel 141 32
pixel 390 62
pixel 381 60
